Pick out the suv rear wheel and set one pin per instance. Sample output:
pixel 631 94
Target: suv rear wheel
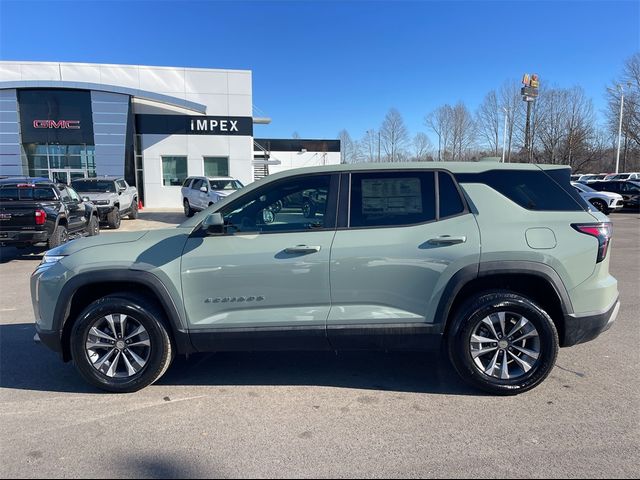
pixel 188 212
pixel 120 343
pixel 59 236
pixel 502 342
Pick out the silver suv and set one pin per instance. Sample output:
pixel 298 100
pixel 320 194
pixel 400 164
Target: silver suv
pixel 199 193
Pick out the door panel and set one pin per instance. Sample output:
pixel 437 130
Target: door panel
pixel 250 281
pixel 264 268
pixel 392 275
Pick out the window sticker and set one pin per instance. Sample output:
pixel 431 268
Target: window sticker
pixel 391 196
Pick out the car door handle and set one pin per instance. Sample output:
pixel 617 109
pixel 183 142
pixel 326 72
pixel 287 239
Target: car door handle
pixel 303 249
pixel 447 240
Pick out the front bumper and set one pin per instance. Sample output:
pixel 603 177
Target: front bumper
pixel 581 329
pixel 22 237
pixel 51 340
pixel 104 210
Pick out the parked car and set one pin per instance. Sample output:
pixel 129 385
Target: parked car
pixel 575 177
pixel 603 201
pixel 394 260
pixel 199 193
pixel 36 211
pixel 592 177
pixel 630 190
pixel 623 176
pixel 113 196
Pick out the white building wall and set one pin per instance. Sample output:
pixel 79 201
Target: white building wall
pixel 291 160
pixel 222 92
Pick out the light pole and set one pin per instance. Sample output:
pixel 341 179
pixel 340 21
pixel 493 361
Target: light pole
pixel 504 132
pixel 621 90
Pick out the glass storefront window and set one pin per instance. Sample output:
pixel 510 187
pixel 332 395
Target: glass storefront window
pixel 174 171
pixel 216 167
pixel 42 158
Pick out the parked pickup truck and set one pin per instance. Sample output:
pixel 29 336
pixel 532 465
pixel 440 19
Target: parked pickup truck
pixel 113 196
pixel 37 211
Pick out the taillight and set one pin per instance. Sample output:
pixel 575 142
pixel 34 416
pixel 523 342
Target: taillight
pixel 601 231
pixel 41 217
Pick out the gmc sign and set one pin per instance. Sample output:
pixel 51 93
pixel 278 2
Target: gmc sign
pixel 68 124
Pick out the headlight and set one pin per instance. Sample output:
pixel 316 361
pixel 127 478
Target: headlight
pixel 49 259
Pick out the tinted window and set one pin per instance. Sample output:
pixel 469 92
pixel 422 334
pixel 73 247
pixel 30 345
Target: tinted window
pixel 8 193
pixel 606 186
pixel 392 198
pixel 97 186
pixel 450 201
pixel 297 204
pixel 630 188
pixel 187 182
pixel 121 184
pixel 197 183
pixel 533 190
pixel 12 192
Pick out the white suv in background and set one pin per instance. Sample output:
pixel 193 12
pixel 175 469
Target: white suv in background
pixel 623 176
pixel 603 201
pixel 200 192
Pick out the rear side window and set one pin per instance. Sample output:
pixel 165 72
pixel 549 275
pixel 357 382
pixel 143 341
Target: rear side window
pixel 187 182
pixel 392 198
pixel 533 190
pixel 197 184
pixel 450 201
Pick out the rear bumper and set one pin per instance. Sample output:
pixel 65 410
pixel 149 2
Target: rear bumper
pixel 19 237
pixel 583 328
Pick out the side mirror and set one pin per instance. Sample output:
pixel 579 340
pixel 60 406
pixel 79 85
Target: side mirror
pixel 204 189
pixel 86 199
pixel 213 224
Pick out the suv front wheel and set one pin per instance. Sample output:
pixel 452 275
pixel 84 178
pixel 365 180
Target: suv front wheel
pixel 503 343
pixel 120 343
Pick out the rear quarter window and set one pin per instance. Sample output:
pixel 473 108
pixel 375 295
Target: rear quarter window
pixel 531 189
pixel 450 202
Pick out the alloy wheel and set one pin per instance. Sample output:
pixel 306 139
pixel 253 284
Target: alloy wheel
pixel 505 345
pixel 118 346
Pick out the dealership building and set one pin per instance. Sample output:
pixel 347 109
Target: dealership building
pixel 153 125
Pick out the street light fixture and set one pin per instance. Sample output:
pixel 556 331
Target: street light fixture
pixel 504 132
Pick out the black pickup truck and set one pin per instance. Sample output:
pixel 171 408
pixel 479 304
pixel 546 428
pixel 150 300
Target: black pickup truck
pixel 37 211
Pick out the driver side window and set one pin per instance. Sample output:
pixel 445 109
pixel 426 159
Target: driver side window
pixel 297 204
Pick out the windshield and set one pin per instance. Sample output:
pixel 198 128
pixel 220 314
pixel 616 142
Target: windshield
pixel 622 176
pixel 101 186
pixel 225 184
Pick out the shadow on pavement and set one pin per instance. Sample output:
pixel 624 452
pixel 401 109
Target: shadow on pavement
pixel 8 254
pixel 172 218
pixel 24 365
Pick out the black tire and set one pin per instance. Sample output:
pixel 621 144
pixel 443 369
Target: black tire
pixel 468 317
pixel 133 213
pixel 59 236
pixel 93 228
pixel 146 314
pixel 113 218
pixel 188 211
pixel 600 205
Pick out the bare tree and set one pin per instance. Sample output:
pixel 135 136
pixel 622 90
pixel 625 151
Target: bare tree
pixel 511 103
pixel 441 122
pixel 347 147
pixel 463 132
pixel 370 146
pixel 421 147
pixel 552 116
pixel 489 118
pixel 394 136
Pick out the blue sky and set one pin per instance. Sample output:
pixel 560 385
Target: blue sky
pixel 319 67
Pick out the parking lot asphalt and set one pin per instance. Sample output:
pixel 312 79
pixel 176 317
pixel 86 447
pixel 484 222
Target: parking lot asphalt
pixel 320 414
